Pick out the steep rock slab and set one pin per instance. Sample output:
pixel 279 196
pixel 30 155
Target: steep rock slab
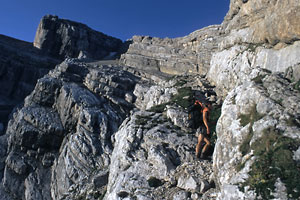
pixel 258 138
pixel 189 54
pixel 63 38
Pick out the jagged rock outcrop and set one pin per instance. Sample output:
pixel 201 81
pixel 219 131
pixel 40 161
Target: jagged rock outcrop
pixel 258 136
pixel 152 159
pixel 21 65
pixel 189 54
pixel 63 38
pixel 63 143
pixel 60 141
pixel 92 130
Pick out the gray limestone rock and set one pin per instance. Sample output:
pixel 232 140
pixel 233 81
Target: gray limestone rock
pixel 149 160
pixel 189 54
pixel 254 114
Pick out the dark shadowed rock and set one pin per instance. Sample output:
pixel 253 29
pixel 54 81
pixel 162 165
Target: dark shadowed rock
pixel 63 38
pixel 21 65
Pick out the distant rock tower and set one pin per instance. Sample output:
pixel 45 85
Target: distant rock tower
pixel 63 38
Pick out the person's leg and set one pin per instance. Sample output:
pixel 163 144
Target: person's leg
pixel 199 145
pixel 207 144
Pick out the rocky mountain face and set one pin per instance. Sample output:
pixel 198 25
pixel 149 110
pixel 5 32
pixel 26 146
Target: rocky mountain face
pixel 21 65
pixel 189 54
pixel 120 129
pixel 63 38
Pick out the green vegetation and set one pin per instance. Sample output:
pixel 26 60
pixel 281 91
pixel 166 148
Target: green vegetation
pixel 252 47
pixel 274 159
pixel 183 98
pixel 252 117
pixel 297 85
pixel 213 119
pixel 142 120
pixel 259 79
pixel 158 108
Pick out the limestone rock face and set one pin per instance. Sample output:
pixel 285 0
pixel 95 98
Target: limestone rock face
pixel 151 154
pixel 59 143
pixel 231 67
pixel 189 54
pixel 63 38
pixel 259 122
pixel 267 21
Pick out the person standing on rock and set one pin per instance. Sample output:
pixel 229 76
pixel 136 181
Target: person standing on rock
pixel 200 119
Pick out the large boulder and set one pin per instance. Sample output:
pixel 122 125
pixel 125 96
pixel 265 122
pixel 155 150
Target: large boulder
pixel 63 38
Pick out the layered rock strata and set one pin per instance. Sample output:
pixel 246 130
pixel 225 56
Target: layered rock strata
pixel 190 54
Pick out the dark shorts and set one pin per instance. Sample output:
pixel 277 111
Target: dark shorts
pixel 201 130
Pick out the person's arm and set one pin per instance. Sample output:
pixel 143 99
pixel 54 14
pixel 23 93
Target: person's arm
pixel 205 120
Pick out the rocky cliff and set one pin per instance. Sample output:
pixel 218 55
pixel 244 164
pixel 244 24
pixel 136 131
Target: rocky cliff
pixel 120 130
pixel 190 54
pixel 63 38
pixel 21 65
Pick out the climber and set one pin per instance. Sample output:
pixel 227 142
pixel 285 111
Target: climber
pixel 199 113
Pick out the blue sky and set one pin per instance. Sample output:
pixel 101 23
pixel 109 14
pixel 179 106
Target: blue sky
pixel 118 18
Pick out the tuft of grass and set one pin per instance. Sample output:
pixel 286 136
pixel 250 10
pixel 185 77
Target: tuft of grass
pixel 158 108
pixel 215 114
pixel 274 159
pixel 252 117
pixel 142 120
pixel 183 98
pixel 297 85
pixel 259 79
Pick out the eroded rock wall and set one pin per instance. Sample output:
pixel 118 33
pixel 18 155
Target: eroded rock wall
pixel 189 54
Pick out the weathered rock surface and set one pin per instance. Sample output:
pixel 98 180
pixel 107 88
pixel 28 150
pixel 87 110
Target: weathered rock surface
pixel 189 54
pixel 21 65
pixel 152 159
pixel 63 143
pixel 259 130
pixel 61 139
pixel 240 63
pixel 63 38
pixel 264 21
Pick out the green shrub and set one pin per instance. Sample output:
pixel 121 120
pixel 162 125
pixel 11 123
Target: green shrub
pixel 274 159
